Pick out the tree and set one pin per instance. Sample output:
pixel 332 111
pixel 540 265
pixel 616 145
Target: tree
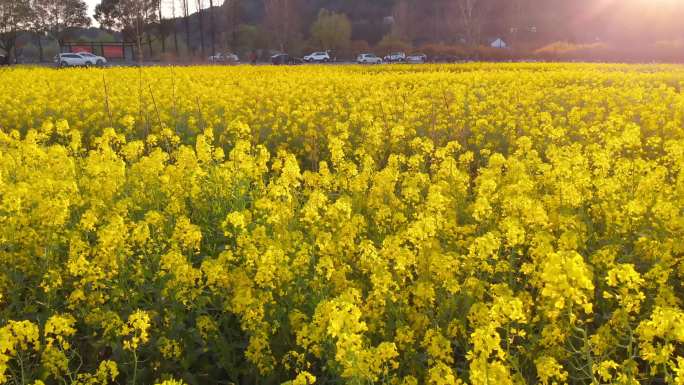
pixel 232 8
pixel 107 14
pixel 212 27
pixel 162 30
pixel 200 13
pixel 62 16
pixel 331 31
pixel 470 12
pixel 175 30
pixel 250 38
pixel 136 15
pixel 39 24
pixel 516 19
pixel 282 21
pixel 391 43
pixel 404 14
pixel 15 15
pixel 129 16
pixel 186 20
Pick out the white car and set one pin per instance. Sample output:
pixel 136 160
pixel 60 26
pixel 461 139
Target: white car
pixel 368 58
pixel 92 59
pixel 71 60
pixel 224 58
pixel 317 57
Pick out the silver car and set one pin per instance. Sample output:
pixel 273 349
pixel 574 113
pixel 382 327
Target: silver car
pixel 418 58
pixel 368 58
pixel 92 59
pixel 224 58
pixel 71 60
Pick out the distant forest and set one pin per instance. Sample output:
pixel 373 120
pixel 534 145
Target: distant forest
pixel 170 30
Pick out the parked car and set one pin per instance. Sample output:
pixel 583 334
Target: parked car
pixel 227 57
pixel 368 58
pixel 284 59
pixel 418 58
pixel 445 59
pixel 93 59
pixel 71 60
pixel 317 57
pixel 395 57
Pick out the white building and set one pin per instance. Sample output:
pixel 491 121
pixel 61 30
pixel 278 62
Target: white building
pixel 498 43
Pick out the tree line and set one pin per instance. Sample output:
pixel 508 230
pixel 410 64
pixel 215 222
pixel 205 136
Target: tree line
pixel 50 18
pixel 195 28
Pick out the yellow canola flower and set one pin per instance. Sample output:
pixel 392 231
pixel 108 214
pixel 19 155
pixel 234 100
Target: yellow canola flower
pixel 439 224
pixel 136 330
pixel 304 378
pixel 16 337
pixel 170 382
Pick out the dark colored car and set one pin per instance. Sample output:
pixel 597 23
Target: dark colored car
pixel 284 59
pixel 445 59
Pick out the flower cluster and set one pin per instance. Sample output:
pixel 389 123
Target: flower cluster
pixel 457 224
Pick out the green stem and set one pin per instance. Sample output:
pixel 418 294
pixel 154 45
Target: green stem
pixel 21 367
pixel 590 359
pixel 135 366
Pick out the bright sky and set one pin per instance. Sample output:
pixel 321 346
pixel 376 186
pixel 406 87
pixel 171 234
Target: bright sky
pixel 91 6
pixel 93 3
